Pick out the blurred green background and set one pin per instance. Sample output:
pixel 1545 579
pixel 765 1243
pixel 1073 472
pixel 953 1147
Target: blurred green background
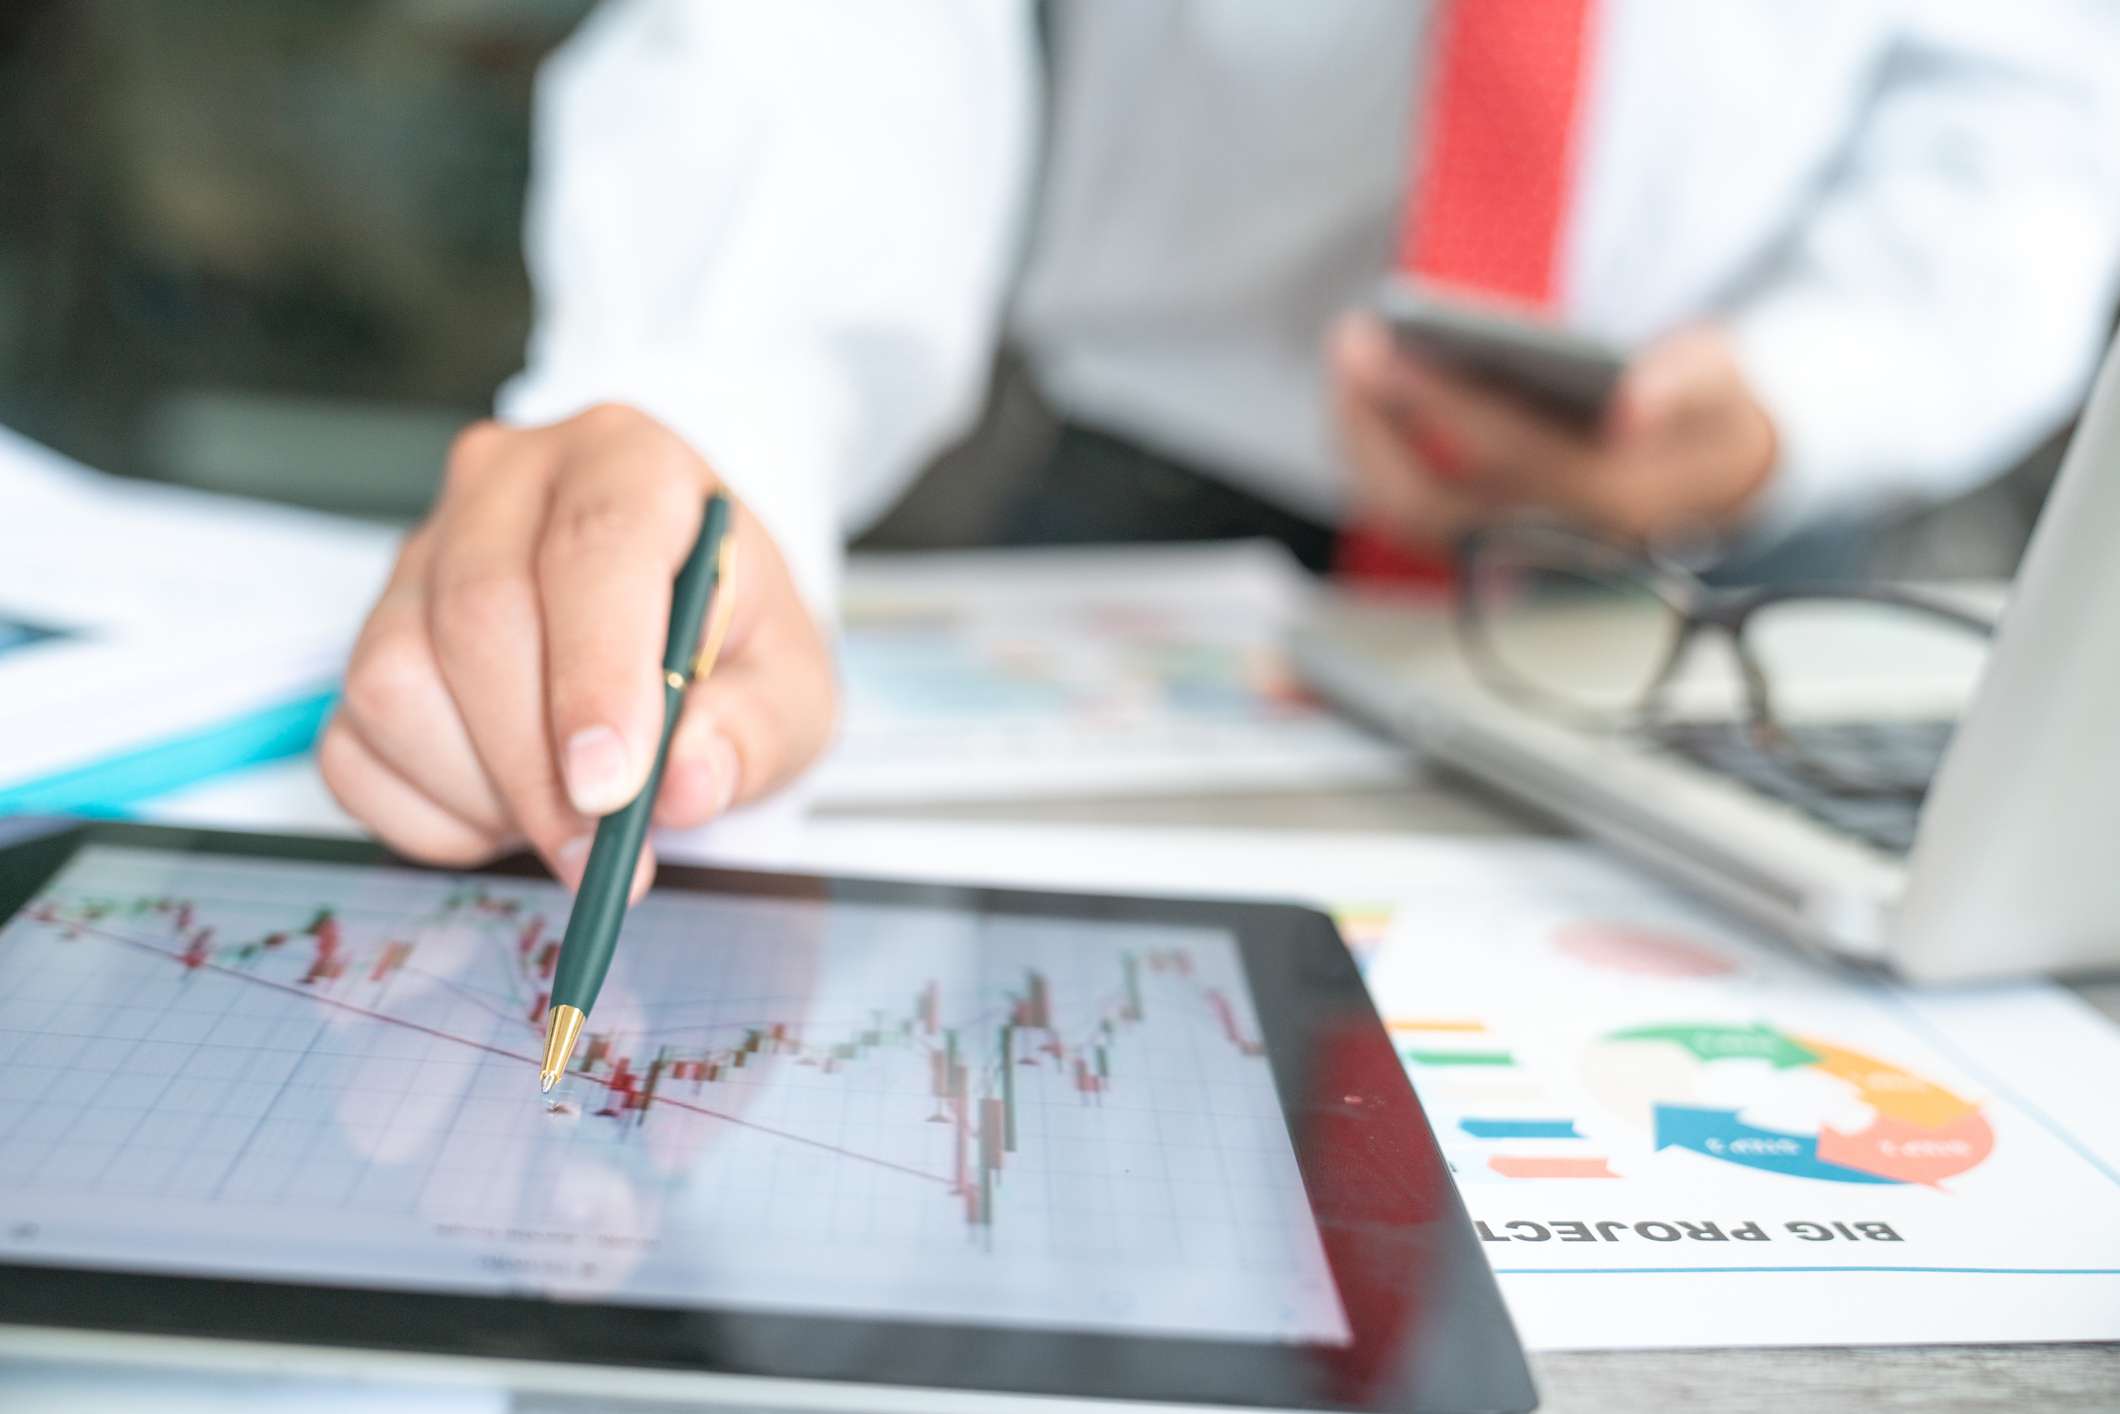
pixel 265 246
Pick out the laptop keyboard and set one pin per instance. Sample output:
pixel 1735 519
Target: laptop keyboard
pixel 1908 751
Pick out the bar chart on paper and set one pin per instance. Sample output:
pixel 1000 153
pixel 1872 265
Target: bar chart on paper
pixel 325 1072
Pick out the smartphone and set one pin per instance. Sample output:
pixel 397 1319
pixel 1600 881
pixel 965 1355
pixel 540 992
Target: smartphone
pixel 1566 376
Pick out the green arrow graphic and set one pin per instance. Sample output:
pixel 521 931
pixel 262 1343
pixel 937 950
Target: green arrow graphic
pixel 1713 1042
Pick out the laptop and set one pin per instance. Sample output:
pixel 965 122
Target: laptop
pixel 1999 859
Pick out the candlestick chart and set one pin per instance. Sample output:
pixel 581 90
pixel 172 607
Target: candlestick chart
pixel 848 1105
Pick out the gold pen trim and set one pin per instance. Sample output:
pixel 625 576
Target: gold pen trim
pixel 562 1029
pixel 723 611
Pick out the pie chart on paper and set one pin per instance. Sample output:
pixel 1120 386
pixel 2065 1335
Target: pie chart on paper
pixel 1677 1081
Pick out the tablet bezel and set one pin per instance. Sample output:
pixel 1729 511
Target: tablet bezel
pixel 1430 1331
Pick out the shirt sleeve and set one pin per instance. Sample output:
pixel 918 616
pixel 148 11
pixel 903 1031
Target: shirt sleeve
pixel 1942 304
pixel 784 230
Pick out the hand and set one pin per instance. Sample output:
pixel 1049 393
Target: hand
pixel 508 685
pixel 1687 447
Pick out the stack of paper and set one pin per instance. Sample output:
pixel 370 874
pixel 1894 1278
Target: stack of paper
pixel 151 636
pixel 143 619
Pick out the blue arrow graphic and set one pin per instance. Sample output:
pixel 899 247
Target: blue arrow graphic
pixel 1722 1135
pixel 1519 1128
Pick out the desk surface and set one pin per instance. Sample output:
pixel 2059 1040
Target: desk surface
pixel 1952 1378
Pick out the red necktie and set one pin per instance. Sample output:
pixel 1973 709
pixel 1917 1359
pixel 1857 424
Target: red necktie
pixel 1489 194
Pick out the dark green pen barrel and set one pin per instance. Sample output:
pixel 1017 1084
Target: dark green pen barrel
pixel 600 906
pixel 694 586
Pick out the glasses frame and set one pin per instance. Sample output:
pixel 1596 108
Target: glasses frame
pixel 1699 610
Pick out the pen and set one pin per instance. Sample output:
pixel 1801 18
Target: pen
pixel 600 905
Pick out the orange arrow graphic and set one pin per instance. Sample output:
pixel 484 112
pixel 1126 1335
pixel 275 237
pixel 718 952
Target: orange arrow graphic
pixel 1912 1153
pixel 1892 1092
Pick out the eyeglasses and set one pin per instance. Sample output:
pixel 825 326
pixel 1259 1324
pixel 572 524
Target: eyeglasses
pixel 1595 633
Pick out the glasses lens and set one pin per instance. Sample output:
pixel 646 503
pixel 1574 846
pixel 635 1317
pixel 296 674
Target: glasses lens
pixel 1568 622
pixel 1863 693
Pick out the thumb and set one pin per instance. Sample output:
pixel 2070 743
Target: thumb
pixel 753 725
pixel 1368 366
pixel 1672 381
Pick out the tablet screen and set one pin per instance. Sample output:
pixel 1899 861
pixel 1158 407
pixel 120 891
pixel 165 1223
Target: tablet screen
pixel 310 1071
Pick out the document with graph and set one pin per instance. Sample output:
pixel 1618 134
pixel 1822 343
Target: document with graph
pixel 320 1072
pixel 1670 1130
pixel 992 675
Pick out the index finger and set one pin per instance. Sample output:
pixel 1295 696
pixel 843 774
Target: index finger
pixel 623 518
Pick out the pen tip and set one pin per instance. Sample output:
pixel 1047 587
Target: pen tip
pixel 562 1026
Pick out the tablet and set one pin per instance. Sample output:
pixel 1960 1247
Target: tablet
pixel 1563 375
pixel 937 1145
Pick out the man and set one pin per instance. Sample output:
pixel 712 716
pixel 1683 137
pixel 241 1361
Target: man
pixel 1864 252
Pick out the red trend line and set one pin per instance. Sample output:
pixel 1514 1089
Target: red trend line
pixel 467 995
pixel 144 946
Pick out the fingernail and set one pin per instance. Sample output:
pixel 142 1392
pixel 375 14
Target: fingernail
pixel 720 757
pixel 572 858
pixel 643 869
pixel 598 774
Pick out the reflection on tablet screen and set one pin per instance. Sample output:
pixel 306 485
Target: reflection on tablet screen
pixel 307 1071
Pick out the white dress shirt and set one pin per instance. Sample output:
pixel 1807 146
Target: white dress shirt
pixel 797 231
